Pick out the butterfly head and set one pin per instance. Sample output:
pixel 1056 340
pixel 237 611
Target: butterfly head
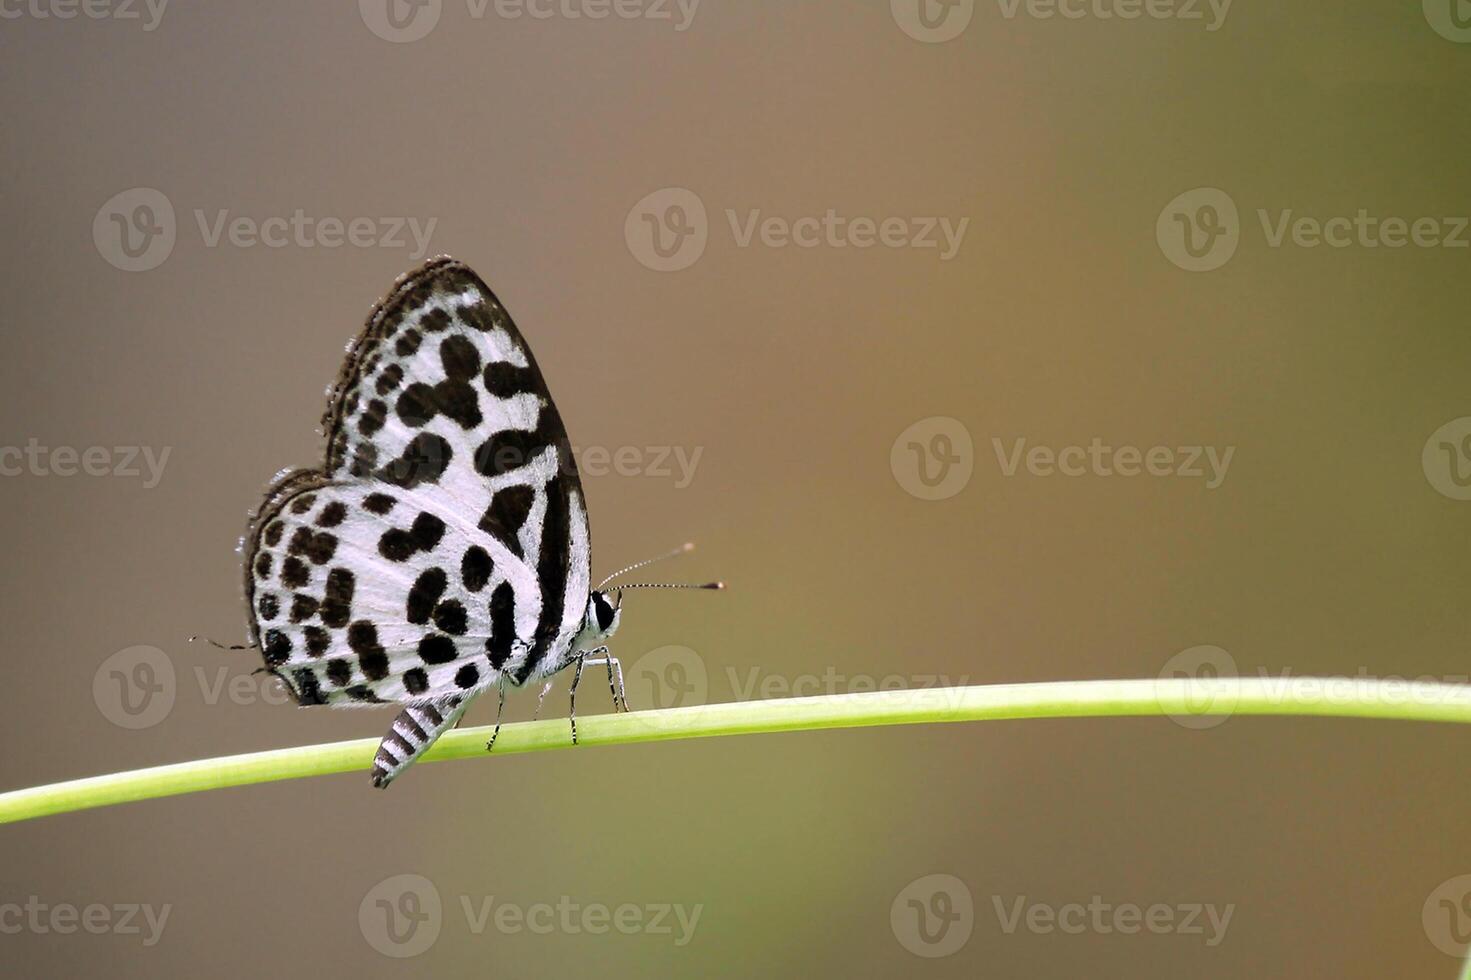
pixel 603 612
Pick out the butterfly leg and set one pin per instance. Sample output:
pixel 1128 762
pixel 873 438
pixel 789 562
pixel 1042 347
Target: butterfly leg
pixel 615 677
pixel 572 696
pixel 501 687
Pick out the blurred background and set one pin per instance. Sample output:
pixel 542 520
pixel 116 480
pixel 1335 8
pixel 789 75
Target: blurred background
pixel 723 229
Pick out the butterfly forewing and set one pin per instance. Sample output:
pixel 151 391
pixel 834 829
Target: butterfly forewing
pixel 444 544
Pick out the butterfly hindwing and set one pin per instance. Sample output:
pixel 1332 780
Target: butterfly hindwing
pixel 444 543
pixel 363 594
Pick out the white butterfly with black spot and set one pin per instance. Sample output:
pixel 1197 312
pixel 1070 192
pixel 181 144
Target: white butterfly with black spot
pixel 443 547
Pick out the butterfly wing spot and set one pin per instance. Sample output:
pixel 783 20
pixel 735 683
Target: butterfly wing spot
pixel 475 568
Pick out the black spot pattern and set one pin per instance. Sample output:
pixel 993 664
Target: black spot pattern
pixel 453 397
pixel 378 503
pixel 364 458
pixel 373 417
pixel 475 568
pixel 268 606
pixel 423 460
pixel 319 546
pixel 276 647
pixel 263 565
pixel 436 648
pixel 362 636
pixel 339 672
pixel 337 606
pixel 482 316
pixel 506 514
pixel 332 515
pixel 294 572
pixel 502 625
pixel 317 641
pixel 416 681
pixel 303 607
pixel 424 593
pixel 408 344
pixel 308 691
pixel 273 533
pixel 424 534
pixel 507 450
pixel 451 618
pixel 505 380
pixel 390 379
pixel 466 676
pixel 303 503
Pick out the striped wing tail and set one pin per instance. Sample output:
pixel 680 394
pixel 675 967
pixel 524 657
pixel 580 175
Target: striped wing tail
pixel 415 729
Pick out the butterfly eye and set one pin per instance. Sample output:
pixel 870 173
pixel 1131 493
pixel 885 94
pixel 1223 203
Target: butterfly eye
pixel 603 611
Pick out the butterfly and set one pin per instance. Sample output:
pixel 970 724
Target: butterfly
pixel 443 547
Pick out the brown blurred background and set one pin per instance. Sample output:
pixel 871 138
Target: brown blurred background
pixel 1063 316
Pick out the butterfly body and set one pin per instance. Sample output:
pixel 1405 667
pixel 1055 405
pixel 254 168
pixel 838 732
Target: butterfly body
pixel 443 547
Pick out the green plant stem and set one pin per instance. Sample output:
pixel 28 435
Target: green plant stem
pixel 1193 700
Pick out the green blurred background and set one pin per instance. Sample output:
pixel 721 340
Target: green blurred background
pixel 529 141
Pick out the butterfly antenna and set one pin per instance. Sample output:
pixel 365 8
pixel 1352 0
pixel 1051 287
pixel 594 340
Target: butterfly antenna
pixel 220 646
pixel 683 549
pixel 670 585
